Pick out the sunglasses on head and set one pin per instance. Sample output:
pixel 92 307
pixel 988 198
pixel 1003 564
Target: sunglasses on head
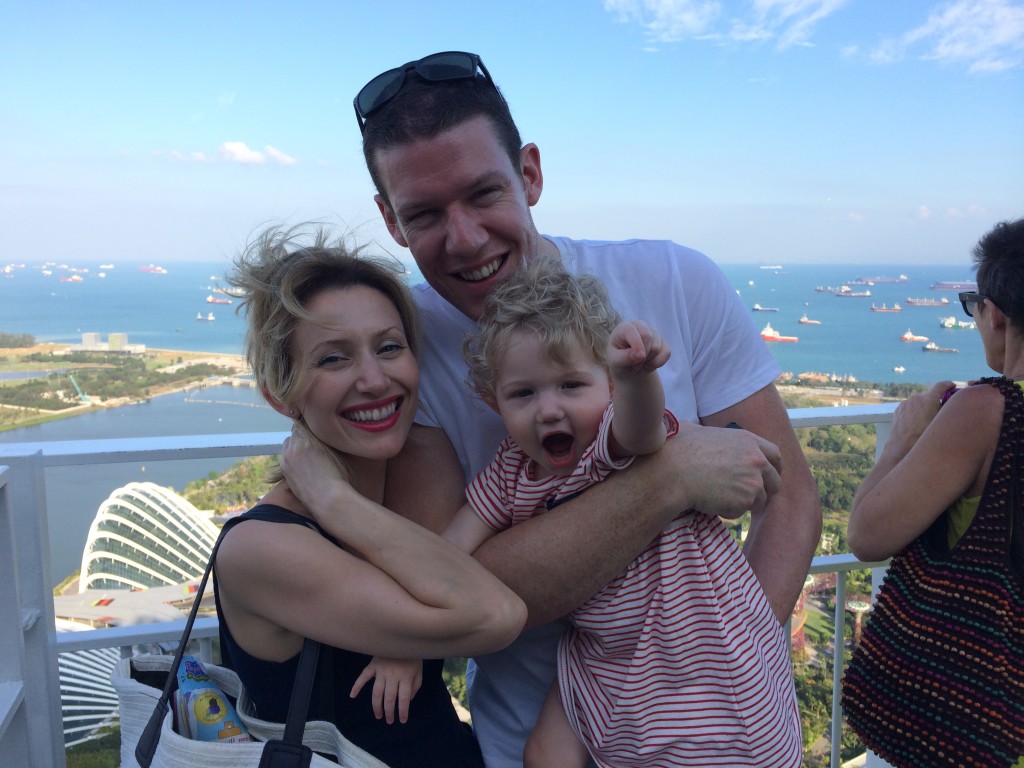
pixel 971 301
pixel 435 68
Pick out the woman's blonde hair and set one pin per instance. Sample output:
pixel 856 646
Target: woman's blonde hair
pixel 277 275
pixel 562 309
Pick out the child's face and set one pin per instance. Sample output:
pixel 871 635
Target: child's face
pixel 551 410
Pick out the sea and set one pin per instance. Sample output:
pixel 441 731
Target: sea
pixel 158 306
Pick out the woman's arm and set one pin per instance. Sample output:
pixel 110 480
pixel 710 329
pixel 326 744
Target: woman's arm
pixel 395 589
pixel 932 458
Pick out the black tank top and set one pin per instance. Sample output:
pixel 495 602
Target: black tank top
pixel 433 735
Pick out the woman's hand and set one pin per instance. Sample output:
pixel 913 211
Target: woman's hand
pixel 310 472
pixel 914 414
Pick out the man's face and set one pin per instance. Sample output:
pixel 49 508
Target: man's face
pixel 463 210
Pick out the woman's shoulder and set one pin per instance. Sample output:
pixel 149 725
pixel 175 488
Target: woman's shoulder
pixel 979 401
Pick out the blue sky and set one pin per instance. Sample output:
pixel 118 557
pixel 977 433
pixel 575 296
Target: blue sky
pixel 764 131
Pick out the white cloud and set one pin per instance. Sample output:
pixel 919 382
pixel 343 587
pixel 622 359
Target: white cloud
pixel 667 20
pixel 856 216
pixel 923 212
pixel 226 99
pixel 973 211
pixel 793 21
pixel 278 156
pixel 239 152
pixel 984 35
pixel 790 22
pixel 229 152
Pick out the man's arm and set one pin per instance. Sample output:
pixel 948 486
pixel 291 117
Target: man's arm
pixel 784 534
pixel 557 560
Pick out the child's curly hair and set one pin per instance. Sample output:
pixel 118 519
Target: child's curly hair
pixel 562 309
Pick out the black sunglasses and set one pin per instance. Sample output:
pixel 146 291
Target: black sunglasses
pixel 971 301
pixel 435 68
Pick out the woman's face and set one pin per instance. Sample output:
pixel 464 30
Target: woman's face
pixel 359 377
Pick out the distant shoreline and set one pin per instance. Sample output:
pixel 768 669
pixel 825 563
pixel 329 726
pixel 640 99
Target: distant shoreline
pixel 169 358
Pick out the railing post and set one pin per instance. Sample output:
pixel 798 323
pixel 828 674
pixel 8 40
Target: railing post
pixel 14 744
pixel 32 597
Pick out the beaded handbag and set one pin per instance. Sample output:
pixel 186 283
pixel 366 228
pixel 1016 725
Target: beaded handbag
pixel 937 678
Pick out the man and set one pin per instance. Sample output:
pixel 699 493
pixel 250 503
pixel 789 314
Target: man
pixel 455 185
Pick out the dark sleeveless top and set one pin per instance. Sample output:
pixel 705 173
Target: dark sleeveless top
pixel 433 735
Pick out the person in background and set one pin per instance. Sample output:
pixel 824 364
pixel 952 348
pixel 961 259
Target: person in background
pixel 331 340
pixel 455 184
pixel 936 482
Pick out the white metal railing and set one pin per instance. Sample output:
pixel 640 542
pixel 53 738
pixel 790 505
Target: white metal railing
pixel 31 733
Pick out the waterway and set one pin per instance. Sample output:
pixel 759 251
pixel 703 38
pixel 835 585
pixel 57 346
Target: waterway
pixel 74 494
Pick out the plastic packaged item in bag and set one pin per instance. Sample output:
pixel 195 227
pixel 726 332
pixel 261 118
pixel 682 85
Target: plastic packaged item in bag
pixel 204 712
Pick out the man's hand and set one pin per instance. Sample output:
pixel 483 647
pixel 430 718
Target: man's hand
pixel 726 471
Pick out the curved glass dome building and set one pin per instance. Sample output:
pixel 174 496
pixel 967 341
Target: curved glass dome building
pixel 143 536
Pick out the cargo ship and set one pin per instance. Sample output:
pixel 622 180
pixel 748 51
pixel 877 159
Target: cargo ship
pixel 846 291
pixel 211 299
pixel 909 336
pixel 894 308
pixel 770 334
pixel 931 346
pixel 927 302
pixel 873 280
pixel 759 308
pixel 807 321
pixel 954 285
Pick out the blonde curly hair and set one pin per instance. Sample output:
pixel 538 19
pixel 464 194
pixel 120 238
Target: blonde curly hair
pixel 561 308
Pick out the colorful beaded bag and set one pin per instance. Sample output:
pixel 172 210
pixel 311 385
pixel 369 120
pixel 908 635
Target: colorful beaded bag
pixel 937 678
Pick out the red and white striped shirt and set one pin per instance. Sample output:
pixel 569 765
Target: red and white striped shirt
pixel 679 661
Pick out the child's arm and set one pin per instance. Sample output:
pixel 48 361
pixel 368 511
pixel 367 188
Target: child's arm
pixel 635 352
pixel 467 531
pixel 395 682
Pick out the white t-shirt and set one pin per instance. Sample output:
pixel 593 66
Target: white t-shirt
pixel 718 359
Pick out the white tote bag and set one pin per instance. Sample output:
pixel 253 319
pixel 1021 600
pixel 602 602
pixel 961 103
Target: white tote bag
pixel 137 699
pixel 144 685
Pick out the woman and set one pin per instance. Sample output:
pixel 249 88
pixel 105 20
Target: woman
pixel 331 341
pixel 937 678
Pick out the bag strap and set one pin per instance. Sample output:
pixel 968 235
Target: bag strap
pixel 298 706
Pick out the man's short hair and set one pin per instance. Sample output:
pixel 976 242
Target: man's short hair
pixel 423 110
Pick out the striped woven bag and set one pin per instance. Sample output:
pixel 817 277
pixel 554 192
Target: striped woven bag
pixel 937 678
